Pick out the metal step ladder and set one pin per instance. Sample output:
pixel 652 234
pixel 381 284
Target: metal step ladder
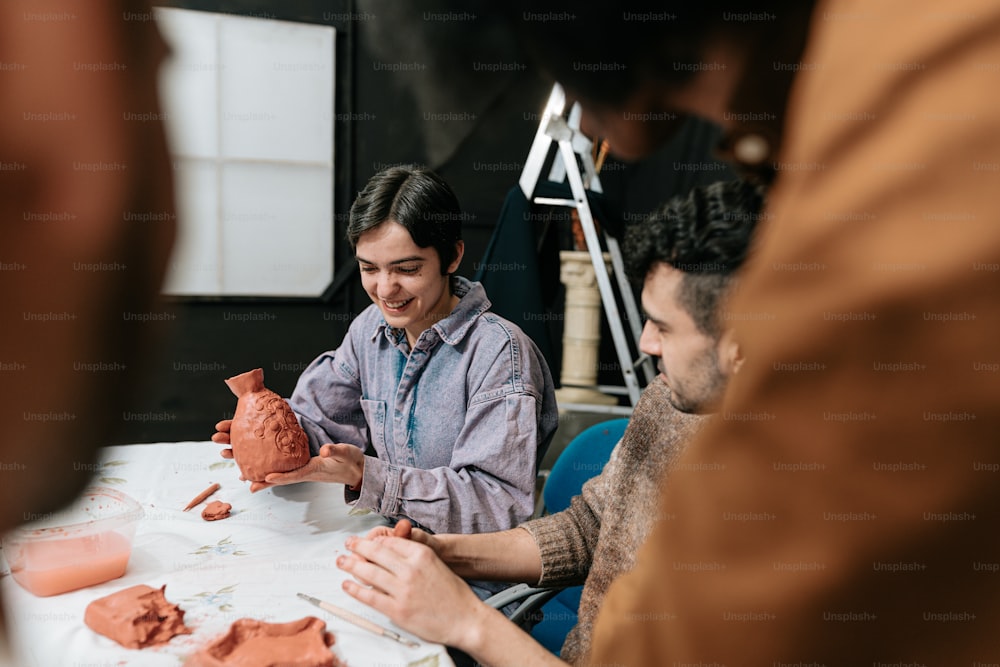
pixel 560 132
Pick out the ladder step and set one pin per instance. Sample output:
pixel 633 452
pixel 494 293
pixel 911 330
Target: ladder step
pixel 623 410
pixel 552 201
pixel 643 358
pixel 614 390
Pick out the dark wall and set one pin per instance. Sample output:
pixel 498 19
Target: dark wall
pixel 416 82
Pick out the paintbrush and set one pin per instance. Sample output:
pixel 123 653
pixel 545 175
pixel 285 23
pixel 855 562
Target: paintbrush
pixel 351 617
pixel 201 496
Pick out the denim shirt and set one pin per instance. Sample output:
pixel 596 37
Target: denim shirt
pixel 458 424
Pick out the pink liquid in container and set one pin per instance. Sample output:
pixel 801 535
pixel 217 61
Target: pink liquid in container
pixel 84 545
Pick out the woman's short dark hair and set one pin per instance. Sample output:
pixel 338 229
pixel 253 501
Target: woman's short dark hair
pixel 416 198
pixel 707 235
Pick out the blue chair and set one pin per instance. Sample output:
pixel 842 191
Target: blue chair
pixel 583 458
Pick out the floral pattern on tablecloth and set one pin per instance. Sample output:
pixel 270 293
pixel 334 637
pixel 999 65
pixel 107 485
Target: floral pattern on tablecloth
pixel 224 547
pixel 104 479
pixel 221 599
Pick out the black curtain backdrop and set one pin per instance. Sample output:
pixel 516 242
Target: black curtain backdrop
pixel 423 82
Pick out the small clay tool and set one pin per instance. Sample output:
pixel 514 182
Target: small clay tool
pixel 201 496
pixel 351 617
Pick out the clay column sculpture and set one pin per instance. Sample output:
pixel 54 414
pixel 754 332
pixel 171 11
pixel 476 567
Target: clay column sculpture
pixel 581 330
pixel 265 435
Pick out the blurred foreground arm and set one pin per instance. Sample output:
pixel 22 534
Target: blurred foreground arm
pixel 88 223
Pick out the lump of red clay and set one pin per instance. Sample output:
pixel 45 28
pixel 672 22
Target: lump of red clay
pixel 253 643
pixel 216 510
pixel 265 435
pixel 136 617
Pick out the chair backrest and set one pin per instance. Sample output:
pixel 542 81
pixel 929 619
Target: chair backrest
pixel 583 458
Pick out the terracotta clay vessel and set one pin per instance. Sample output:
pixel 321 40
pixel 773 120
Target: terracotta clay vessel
pixel 265 435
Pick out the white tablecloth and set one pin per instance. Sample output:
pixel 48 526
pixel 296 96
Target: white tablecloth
pixel 276 543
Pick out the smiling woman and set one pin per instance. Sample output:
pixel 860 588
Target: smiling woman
pixel 433 408
pixel 407 234
pixel 406 281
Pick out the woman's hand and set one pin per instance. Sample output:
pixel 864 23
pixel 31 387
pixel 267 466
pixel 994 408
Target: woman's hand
pixel 407 582
pixel 339 463
pixel 405 530
pixel 402 529
pixel 221 436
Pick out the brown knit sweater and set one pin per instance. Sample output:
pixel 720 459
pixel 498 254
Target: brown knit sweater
pixel 596 539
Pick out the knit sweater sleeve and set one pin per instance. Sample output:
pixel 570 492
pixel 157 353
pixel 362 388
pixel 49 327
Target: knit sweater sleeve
pixel 566 540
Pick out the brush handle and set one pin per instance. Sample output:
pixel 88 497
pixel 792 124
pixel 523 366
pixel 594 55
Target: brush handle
pixel 353 618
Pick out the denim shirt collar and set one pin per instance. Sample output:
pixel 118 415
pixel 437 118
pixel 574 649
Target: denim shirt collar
pixel 452 329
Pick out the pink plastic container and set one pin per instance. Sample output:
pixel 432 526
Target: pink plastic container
pixel 87 544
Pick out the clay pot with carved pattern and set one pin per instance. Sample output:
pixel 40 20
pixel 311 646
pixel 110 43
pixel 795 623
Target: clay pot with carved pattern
pixel 265 435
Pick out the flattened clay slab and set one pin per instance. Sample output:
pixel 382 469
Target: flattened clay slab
pixel 253 643
pixel 136 617
pixel 216 510
pixel 265 435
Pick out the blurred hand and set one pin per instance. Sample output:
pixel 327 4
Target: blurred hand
pixel 402 529
pixel 405 530
pixel 407 582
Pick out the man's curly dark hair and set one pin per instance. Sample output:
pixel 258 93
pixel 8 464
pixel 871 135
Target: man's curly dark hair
pixel 706 235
